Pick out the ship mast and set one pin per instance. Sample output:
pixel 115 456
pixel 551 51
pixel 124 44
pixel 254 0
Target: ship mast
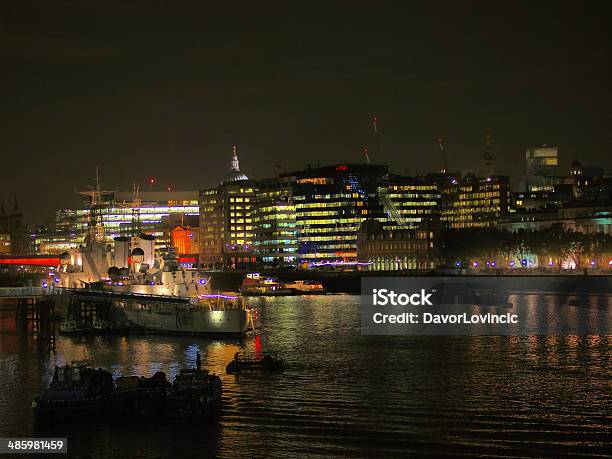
pixel 96 225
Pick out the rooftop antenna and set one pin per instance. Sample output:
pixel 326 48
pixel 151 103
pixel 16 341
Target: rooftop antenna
pixel 441 145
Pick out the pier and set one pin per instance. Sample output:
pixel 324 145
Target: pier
pixel 35 313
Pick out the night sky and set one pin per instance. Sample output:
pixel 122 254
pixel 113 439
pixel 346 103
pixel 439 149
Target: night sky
pixel 166 88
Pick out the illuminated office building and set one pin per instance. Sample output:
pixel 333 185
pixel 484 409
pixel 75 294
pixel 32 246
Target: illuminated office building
pixel 59 237
pixel 226 220
pixel 541 169
pixel 123 214
pixel 410 202
pixel 473 202
pixel 330 204
pixel 274 224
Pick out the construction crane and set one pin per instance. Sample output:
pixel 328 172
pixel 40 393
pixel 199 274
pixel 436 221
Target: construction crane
pixel 441 145
pixel 377 135
pixel 365 153
pixel 489 156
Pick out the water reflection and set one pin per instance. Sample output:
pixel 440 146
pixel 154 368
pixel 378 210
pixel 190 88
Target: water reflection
pixel 341 393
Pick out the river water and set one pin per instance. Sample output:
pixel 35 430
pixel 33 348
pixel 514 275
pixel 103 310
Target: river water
pixel 342 393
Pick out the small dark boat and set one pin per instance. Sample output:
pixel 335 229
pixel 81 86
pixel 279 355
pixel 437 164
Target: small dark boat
pixel 194 394
pixel 83 392
pixel 267 363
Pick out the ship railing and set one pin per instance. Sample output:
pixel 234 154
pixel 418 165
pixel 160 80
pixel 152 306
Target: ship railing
pixel 222 302
pixel 123 295
pixel 23 291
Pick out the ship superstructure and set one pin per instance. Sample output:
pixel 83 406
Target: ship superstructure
pixel 153 291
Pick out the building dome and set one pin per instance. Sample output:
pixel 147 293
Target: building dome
pixel 234 175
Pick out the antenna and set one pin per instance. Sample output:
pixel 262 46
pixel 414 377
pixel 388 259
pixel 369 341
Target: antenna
pixel 441 145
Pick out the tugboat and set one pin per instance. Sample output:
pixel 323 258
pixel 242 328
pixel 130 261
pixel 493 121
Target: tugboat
pixel 266 364
pixel 83 392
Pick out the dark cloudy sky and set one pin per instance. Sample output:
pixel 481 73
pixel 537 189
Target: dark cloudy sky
pixel 165 88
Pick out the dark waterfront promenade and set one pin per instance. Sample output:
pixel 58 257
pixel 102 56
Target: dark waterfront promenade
pixel 342 393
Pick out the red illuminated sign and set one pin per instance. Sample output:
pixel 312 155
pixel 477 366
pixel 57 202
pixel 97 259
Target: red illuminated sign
pixel 187 259
pixel 31 261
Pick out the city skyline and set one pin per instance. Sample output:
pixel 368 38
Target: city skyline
pixel 142 93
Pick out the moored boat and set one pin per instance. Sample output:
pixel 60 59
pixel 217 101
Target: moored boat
pixel 256 285
pixel 306 287
pixel 195 394
pixel 84 392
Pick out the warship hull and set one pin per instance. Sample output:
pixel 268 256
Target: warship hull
pixel 181 318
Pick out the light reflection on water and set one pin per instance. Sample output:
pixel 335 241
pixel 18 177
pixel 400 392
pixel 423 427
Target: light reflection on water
pixel 341 393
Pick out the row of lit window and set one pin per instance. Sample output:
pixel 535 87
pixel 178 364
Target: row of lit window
pixel 471 210
pixel 315 180
pixel 321 197
pixel 375 246
pixel 276 242
pixel 401 197
pixel 485 194
pixel 403 205
pixel 327 223
pixel 478 203
pixel 327 255
pixel 280 208
pixel 323 205
pixel 414 187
